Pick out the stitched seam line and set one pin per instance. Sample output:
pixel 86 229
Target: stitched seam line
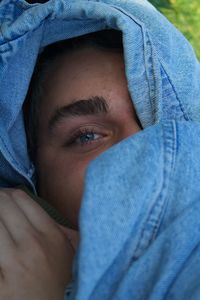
pixel 161 201
pixel 185 115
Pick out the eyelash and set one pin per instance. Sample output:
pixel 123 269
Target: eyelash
pixel 78 134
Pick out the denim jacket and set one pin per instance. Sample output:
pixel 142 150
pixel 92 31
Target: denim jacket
pixel 140 212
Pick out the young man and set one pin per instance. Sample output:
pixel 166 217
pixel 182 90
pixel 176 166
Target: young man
pixel 138 221
pixel 69 127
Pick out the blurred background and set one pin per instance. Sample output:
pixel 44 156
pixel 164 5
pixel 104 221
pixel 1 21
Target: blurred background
pixel 185 15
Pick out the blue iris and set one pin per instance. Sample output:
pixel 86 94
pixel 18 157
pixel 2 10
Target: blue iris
pixel 87 137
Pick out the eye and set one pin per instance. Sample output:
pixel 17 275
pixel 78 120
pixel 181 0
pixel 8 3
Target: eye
pixel 87 137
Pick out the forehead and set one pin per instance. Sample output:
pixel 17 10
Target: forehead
pixel 84 72
pixel 87 60
pixel 83 75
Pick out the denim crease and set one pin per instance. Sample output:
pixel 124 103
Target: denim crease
pixel 140 238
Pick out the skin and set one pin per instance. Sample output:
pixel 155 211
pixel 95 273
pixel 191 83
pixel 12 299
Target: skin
pixel 42 274
pixel 84 73
pixel 35 255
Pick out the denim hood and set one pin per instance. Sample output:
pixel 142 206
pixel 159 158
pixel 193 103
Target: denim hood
pixel 140 231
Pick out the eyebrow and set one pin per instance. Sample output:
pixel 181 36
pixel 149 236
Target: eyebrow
pixel 91 106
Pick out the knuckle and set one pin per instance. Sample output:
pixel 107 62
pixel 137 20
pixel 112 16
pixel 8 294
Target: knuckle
pixel 18 193
pixel 38 242
pixel 11 193
pixel 2 274
pixel 4 193
pixel 22 263
pixel 34 239
pixel 34 252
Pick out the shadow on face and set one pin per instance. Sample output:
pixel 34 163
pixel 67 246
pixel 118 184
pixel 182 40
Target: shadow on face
pixel 85 110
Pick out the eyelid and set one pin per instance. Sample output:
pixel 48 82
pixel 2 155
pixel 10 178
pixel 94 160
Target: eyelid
pixel 99 130
pixel 78 134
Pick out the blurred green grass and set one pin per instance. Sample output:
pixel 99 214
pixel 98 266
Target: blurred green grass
pixel 185 15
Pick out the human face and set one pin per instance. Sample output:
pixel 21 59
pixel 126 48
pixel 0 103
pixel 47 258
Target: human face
pixel 86 111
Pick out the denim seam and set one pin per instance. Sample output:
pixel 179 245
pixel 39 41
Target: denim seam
pixel 160 202
pixel 1 32
pixel 185 115
pixel 3 36
pixel 27 173
pixel 150 73
pixel 13 160
pixel 170 173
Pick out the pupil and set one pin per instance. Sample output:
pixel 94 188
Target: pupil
pixel 86 137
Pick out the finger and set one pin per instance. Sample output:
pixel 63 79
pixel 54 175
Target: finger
pixel 36 215
pixel 7 248
pixel 13 220
pixel 6 238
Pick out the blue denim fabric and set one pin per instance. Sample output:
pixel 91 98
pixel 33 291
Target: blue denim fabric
pixel 139 219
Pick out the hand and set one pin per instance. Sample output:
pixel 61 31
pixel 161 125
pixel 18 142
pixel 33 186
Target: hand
pixel 35 253
pixel 72 235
